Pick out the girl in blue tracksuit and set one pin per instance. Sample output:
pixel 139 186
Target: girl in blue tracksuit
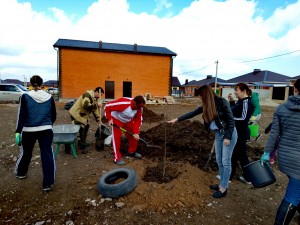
pixel 36 115
pixel 242 111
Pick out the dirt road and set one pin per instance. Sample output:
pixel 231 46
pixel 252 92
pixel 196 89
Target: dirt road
pixel 182 199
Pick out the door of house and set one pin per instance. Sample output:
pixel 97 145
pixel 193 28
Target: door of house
pixel 109 89
pixel 278 93
pixel 127 89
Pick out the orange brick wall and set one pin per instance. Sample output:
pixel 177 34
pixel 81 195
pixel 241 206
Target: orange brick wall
pixel 81 70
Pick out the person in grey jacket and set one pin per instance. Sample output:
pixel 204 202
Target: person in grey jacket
pixel 218 117
pixel 285 134
pixel 37 113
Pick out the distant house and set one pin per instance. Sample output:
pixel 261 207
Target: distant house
pixel 121 69
pixel 191 86
pixel 12 81
pixel 176 87
pixel 268 84
pixel 295 78
pixel 51 83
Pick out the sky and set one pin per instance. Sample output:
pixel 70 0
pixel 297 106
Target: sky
pixel 224 38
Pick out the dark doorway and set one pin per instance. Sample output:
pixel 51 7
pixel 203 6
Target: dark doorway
pixel 109 89
pixel 278 93
pixel 127 89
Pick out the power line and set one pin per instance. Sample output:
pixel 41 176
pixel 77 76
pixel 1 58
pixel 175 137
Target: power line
pixel 254 60
pixel 194 70
pixel 246 61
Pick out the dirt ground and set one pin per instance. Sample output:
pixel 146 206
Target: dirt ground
pixel 172 182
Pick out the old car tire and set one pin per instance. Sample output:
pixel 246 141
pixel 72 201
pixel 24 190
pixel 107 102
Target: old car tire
pixel 117 182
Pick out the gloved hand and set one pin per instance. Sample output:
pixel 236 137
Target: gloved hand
pixel 252 118
pixel 265 158
pixel 18 139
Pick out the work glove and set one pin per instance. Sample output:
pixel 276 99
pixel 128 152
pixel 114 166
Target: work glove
pixel 18 139
pixel 265 158
pixel 252 118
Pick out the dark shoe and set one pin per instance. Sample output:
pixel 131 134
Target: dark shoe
pixel 20 177
pixel 46 189
pixel 135 155
pixel 248 141
pixel 219 194
pixel 214 187
pixel 120 162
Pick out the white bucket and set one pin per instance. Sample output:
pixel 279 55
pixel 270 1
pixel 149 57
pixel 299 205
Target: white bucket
pixel 108 140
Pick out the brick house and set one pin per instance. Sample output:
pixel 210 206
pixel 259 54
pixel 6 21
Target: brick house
pixel 268 84
pixel 121 69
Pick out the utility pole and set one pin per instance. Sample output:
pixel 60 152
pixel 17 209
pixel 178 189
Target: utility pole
pixel 216 78
pixel 25 81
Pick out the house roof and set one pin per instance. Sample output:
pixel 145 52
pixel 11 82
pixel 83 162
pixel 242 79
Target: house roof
pixel 263 76
pixel 12 81
pixel 112 47
pixel 296 77
pixel 175 82
pixel 208 80
pixel 52 83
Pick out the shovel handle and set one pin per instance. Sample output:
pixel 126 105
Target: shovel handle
pixel 122 129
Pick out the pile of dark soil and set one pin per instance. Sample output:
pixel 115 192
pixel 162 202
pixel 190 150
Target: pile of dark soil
pixel 183 142
pixel 150 117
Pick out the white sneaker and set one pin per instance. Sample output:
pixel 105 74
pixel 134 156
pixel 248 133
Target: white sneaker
pixel 219 178
pixel 241 178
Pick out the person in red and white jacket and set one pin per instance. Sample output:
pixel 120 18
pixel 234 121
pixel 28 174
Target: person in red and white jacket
pixel 126 113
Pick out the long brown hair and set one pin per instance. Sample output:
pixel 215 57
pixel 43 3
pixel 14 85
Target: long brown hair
pixel 208 103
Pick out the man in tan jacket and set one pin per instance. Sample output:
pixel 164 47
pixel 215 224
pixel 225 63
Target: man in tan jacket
pixel 86 104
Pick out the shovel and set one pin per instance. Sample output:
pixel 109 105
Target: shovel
pixel 140 139
pixel 210 155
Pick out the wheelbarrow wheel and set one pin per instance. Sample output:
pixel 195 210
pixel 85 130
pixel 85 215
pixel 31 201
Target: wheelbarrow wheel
pixel 117 182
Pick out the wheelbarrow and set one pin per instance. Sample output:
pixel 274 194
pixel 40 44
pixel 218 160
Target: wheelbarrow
pixel 65 134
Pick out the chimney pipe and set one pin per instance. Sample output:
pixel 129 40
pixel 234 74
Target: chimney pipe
pixel 256 71
pixel 135 47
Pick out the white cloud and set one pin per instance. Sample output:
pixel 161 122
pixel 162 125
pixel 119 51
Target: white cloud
pixel 200 34
pixel 161 5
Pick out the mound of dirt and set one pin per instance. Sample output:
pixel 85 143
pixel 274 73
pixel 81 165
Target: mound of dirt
pixel 150 117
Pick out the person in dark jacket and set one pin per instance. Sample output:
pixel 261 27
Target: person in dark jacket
pixel 242 111
pixel 218 117
pixel 273 152
pixel 37 113
pixel 285 135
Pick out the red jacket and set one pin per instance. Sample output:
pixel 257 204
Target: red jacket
pixel 122 110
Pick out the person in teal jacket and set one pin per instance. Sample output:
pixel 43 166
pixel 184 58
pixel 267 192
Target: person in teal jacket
pixel 256 115
pixel 257 110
